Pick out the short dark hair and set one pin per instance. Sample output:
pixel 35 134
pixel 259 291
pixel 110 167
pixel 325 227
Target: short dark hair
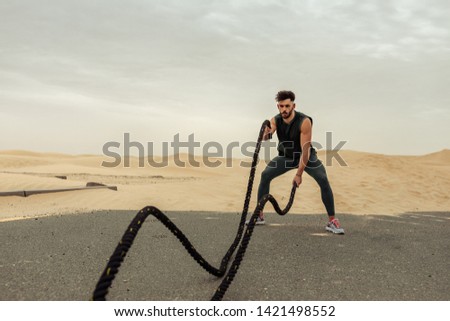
pixel 285 94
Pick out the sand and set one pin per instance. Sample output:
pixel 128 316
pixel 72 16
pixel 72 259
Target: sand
pixel 369 184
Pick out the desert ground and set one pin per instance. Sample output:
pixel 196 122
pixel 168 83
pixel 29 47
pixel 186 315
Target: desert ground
pixel 395 209
pixel 368 184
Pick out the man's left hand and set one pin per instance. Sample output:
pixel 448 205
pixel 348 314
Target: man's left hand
pixel 297 180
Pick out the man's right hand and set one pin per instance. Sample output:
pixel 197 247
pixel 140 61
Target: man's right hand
pixel 268 131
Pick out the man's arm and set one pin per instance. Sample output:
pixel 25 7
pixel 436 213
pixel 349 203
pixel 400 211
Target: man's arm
pixel 305 143
pixel 269 131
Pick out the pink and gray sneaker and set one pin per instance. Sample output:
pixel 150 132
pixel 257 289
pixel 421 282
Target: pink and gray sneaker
pixel 334 226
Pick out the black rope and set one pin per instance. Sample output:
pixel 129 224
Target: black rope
pixel 116 259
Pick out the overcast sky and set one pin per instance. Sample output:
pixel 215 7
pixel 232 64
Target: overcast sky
pixel 77 74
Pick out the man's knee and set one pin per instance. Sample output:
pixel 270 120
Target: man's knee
pixel 323 182
pixel 320 176
pixel 266 175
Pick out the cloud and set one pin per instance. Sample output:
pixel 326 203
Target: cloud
pixel 402 30
pixel 142 61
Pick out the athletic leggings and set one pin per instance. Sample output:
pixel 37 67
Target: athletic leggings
pixel 280 165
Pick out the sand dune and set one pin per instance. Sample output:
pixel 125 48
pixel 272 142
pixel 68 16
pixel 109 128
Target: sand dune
pixel 369 184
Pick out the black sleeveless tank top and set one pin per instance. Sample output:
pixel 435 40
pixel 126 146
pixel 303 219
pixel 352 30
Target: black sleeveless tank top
pixel 289 135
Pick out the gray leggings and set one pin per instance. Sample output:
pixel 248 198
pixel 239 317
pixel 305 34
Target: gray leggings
pixel 280 165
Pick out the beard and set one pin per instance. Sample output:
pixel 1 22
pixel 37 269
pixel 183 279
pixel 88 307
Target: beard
pixel 286 114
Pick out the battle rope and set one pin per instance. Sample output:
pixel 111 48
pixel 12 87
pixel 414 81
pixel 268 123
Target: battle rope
pixel 116 259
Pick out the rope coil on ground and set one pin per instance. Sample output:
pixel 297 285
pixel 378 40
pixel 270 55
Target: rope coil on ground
pixel 116 259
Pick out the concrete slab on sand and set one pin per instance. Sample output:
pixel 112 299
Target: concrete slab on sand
pixel 403 257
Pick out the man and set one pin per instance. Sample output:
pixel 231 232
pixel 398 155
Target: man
pixel 294 131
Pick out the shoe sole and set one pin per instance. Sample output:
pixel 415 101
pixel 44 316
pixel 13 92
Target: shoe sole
pixel 334 231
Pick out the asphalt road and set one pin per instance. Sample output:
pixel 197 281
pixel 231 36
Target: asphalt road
pixel 404 257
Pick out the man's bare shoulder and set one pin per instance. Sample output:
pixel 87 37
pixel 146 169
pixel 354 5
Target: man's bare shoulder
pixel 306 125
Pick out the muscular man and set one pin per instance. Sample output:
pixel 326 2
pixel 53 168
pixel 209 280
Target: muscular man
pixel 294 131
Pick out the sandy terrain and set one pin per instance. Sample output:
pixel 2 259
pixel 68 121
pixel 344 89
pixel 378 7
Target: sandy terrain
pixel 370 184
